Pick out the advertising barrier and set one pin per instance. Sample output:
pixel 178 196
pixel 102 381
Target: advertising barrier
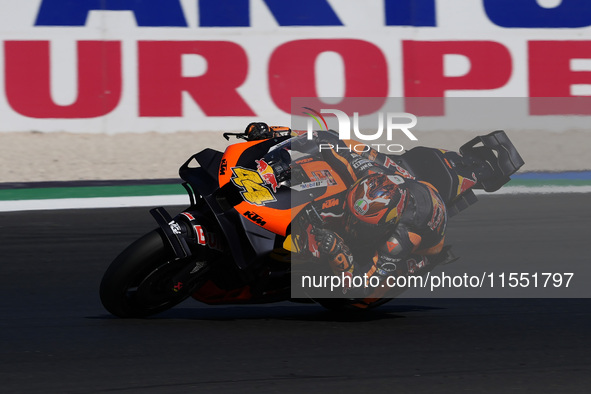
pixel 209 65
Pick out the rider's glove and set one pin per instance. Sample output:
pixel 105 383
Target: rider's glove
pixel 328 241
pixel 332 245
pixel 258 131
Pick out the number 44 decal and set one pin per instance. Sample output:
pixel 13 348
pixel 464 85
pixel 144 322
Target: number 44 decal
pixel 253 189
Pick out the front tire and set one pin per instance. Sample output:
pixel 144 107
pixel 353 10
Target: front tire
pixel 138 283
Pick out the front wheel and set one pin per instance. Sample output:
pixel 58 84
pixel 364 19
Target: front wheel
pixel 139 282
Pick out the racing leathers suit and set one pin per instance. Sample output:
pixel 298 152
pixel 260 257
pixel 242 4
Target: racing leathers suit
pixel 359 250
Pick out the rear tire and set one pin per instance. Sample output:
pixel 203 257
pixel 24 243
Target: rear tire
pixel 138 283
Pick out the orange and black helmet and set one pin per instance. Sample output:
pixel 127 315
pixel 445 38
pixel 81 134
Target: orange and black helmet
pixel 377 200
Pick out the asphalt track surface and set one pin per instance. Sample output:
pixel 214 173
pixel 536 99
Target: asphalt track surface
pixel 57 338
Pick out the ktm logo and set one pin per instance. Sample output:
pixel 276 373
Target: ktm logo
pixel 223 167
pixel 255 218
pixel 333 202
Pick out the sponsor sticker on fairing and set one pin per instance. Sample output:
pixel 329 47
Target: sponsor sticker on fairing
pixel 310 185
pixel 252 185
pixel 267 174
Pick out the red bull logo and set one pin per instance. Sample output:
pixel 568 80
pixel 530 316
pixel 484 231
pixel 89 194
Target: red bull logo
pixel 266 172
pixel 466 183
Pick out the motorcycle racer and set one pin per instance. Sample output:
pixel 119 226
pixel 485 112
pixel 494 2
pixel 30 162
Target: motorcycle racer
pixel 267 216
pixel 388 223
pixel 391 219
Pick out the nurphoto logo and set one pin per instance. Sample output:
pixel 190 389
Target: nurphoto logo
pixel 395 121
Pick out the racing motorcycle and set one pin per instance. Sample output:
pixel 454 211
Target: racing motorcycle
pixel 232 244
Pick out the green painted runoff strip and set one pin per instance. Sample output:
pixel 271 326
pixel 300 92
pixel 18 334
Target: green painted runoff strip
pixel 176 189
pixel 90 191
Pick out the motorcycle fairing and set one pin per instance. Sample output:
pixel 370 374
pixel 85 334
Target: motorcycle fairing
pixel 248 241
pixel 273 215
pixel 244 155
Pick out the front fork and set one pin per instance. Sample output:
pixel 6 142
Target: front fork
pixel 183 234
pixel 175 232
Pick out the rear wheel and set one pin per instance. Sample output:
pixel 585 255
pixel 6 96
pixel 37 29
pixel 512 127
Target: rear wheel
pixel 139 282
